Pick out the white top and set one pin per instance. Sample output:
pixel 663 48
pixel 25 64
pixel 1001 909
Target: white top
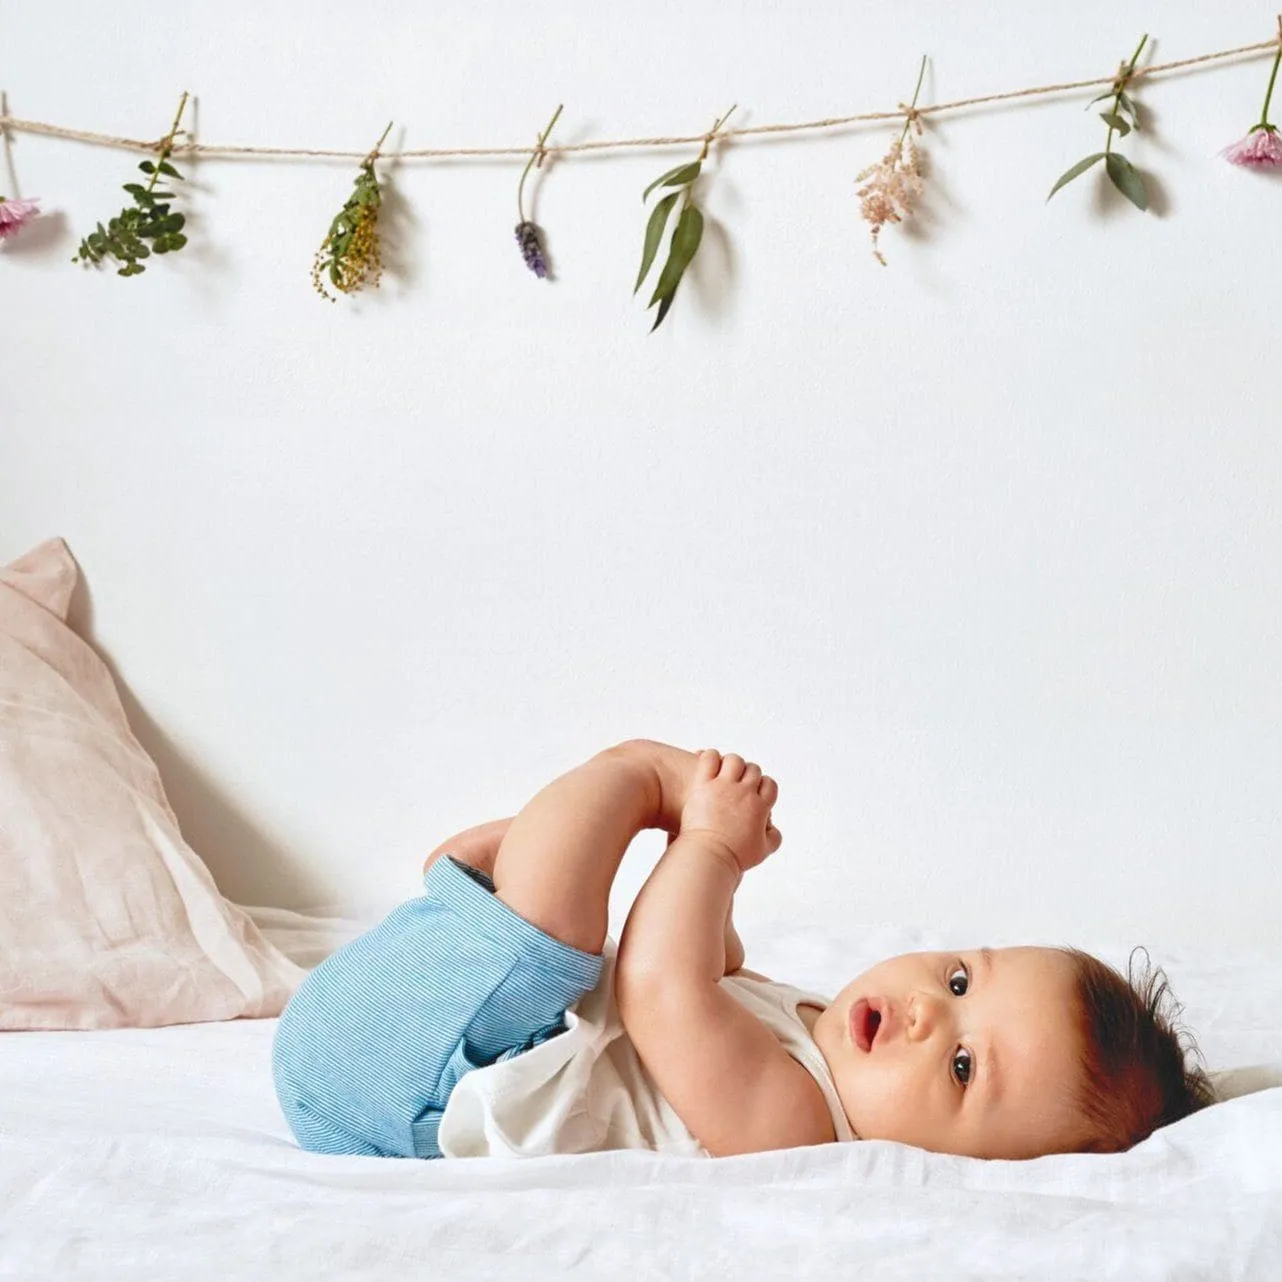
pixel 586 1090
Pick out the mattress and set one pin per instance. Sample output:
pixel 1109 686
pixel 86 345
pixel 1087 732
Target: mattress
pixel 159 1153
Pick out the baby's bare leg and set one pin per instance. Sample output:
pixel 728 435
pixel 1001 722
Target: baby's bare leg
pixel 477 847
pixel 557 861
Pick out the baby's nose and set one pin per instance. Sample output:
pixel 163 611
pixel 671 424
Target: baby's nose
pixel 923 1014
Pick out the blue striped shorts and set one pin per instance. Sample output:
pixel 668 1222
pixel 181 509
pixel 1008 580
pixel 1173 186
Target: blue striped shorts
pixel 377 1036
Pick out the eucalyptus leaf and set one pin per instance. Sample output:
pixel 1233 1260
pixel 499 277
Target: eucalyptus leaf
pixel 1127 180
pixel 653 234
pixel 1077 170
pixel 1127 104
pixel 685 242
pixel 1114 121
pixel 177 240
pixel 147 167
pixel 664 308
pixel 167 168
pixel 674 177
pixel 686 175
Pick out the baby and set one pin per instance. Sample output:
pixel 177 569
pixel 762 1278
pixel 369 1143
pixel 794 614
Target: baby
pixel 490 1016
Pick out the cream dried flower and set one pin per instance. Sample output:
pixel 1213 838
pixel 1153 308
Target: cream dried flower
pixel 894 183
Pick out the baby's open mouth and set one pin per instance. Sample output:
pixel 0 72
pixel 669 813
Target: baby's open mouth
pixel 864 1022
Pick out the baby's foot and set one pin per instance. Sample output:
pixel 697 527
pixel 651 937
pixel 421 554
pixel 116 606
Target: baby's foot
pixel 731 802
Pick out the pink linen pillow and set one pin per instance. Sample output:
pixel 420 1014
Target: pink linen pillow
pixel 108 919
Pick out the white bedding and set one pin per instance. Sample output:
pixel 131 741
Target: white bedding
pixel 161 1153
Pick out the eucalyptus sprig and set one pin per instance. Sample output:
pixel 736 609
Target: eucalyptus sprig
pixel 150 218
pixel 1123 175
pixel 350 251
pixel 685 236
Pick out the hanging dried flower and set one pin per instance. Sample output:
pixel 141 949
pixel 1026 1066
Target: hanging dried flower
pixel 150 218
pixel 349 254
pixel 895 181
pixel 1261 147
pixel 1121 173
pixel 15 214
pixel 529 235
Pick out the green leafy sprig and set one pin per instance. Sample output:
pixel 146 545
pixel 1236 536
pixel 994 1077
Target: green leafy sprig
pixel 1123 175
pixel 685 236
pixel 149 220
pixel 350 251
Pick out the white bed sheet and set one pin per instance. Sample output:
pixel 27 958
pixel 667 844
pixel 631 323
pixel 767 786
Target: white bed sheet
pixel 161 1154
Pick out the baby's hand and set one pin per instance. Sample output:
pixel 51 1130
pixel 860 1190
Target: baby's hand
pixel 731 800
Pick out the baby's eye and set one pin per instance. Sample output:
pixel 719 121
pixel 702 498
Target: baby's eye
pixel 962 1066
pixel 959 981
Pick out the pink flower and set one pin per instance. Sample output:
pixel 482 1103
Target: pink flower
pixel 1261 146
pixel 15 214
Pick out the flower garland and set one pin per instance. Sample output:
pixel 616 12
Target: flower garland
pixel 349 256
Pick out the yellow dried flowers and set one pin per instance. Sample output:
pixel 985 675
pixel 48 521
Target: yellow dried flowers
pixel 349 254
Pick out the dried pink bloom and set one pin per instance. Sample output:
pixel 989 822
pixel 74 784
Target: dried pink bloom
pixel 892 186
pixel 1260 147
pixel 15 214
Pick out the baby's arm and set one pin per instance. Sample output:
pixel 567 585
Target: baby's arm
pixel 722 1070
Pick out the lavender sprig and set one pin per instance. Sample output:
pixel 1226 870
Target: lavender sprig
pixel 529 235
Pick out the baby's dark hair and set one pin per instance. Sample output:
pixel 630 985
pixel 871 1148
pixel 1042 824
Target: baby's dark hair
pixel 1137 1075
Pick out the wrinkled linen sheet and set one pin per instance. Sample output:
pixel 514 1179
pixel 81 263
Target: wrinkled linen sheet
pixel 160 1153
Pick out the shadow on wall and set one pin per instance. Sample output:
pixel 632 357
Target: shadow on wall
pixel 248 867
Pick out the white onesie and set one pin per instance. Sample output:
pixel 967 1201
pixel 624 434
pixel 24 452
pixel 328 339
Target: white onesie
pixel 586 1090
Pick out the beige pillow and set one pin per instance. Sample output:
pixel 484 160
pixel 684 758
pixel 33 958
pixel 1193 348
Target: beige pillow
pixel 108 919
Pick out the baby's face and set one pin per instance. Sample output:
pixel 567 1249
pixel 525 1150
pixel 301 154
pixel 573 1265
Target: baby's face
pixel 971 1052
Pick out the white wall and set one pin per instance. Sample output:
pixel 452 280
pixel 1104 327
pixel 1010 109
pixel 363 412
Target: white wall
pixel 977 553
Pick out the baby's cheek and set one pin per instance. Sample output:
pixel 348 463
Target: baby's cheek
pixel 884 1099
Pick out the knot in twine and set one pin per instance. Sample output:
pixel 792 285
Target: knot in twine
pixel 1125 76
pixel 914 115
pixel 171 141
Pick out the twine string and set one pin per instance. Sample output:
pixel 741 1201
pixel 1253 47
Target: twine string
pixel 911 114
